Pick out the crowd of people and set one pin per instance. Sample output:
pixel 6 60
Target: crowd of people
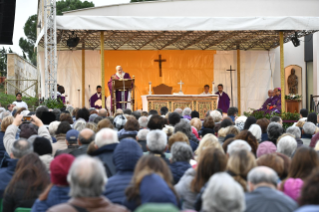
pixel 81 159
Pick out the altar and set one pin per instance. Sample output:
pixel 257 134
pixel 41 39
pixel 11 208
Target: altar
pixel 200 103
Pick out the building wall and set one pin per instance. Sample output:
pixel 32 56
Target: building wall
pixel 20 69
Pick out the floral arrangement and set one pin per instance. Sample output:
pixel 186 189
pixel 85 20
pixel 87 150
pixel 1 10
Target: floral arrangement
pixel 293 97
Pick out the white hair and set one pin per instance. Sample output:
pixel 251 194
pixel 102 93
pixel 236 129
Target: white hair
pixel 223 194
pixel 143 121
pixel 106 136
pixel 53 127
pixel 179 111
pixel 156 141
pixel 117 67
pixel 187 111
pixel 287 145
pixel 87 177
pixel 256 131
pixel 216 115
pixel 295 131
pixel 309 128
pixel 25 112
pixel 141 135
pixel 262 174
pixel 238 145
pixel 79 125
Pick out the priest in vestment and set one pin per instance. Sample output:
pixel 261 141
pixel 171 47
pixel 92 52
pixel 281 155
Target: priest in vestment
pixel 271 95
pixel 224 100
pixel 96 99
pixel 276 102
pixel 120 74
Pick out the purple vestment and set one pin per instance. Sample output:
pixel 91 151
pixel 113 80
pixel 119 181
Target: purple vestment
pixel 118 93
pixel 223 102
pixel 276 102
pixel 267 102
pixel 95 98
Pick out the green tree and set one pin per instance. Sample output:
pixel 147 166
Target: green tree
pixel 27 45
pixel 3 61
pixel 67 5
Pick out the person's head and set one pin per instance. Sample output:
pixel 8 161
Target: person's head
pixel 142 134
pixel 181 152
pixel 263 123
pixel 155 123
pixel 195 114
pixel 59 169
pixel 262 176
pixel 184 127
pixel 87 177
pixel 79 125
pixel 272 161
pixel 249 121
pixel 270 93
pixel 295 131
pixel 127 111
pixel 21 148
pixel 209 140
pixel 66 117
pixel 5 114
pixel 206 88
pixel 309 128
pixel 287 145
pixel 63 128
pixel 105 137
pixel 143 121
pixel 310 190
pixel 131 125
pixel 97 119
pixel 27 130
pixel 72 137
pixel 177 137
pixel 247 136
pixel 227 194
pixel 179 111
pixel 164 110
pixel 6 122
pixel 86 136
pixel 238 145
pixel 197 123
pixel 136 114
pixel 104 123
pixel 42 146
pixel 61 89
pixel 232 111
pixel 255 131
pixel 53 127
pixel 19 96
pixel 119 121
pixel 274 131
pixel 220 88
pixel 278 92
pixel 39 111
pixel 303 113
pixel 216 115
pixel 153 112
pixel 226 123
pixel 103 113
pixel 156 141
pixel 30 171
pixel 239 164
pixel 99 89
pixel 276 119
pixel 210 162
pixel 83 113
pixel 119 70
pixel 174 118
pixel 265 147
pixel 187 111
pixel 10 107
pixel 304 161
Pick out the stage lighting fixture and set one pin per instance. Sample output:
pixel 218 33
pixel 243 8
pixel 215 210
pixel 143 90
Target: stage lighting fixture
pixel 295 40
pixel 72 42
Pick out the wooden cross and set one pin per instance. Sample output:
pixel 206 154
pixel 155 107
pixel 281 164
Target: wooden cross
pixel 160 64
pixel 180 84
pixel 231 84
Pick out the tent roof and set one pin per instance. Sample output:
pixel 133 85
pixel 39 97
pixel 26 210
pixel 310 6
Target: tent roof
pixel 157 33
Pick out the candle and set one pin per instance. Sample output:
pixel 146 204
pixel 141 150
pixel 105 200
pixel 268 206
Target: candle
pixel 213 88
pixel 150 88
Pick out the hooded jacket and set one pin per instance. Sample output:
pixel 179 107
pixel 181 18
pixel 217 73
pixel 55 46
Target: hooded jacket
pixel 178 169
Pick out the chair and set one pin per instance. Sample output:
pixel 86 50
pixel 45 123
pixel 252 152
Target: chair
pixel 162 89
pixel 23 210
pixel 157 207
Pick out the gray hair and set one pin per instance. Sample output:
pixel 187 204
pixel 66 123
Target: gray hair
pixel 226 193
pixel 274 131
pixel 287 145
pixel 216 115
pixel 141 135
pixel 179 111
pixel 57 113
pixel 256 131
pixel 87 177
pixel 53 127
pixel 103 113
pixel 5 114
pixel 309 128
pixel 156 141
pixel 237 146
pixel 295 131
pixel 79 125
pixel 21 148
pixel 106 136
pixel 143 121
pixel 181 151
pixel 184 127
pixel 70 109
pixel 187 111
pixel 262 174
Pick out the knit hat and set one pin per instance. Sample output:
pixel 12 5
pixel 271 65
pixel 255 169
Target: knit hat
pixel 59 168
pixel 266 147
pixel 47 117
pixel 42 146
pixel 119 122
pixel 292 188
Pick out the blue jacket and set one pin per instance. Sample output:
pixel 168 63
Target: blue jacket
pixel 264 137
pixel 178 169
pixel 105 154
pixel 126 134
pixel 125 157
pixel 6 175
pixel 308 208
pixel 57 195
pixel 2 149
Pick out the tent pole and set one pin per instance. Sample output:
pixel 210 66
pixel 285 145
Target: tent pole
pixel 282 71
pixel 83 74
pixel 238 81
pixel 102 69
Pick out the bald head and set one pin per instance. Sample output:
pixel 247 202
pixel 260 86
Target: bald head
pixel 103 113
pixel 86 136
pixel 270 93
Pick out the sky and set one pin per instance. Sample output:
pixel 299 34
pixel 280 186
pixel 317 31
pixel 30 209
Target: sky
pixel 26 8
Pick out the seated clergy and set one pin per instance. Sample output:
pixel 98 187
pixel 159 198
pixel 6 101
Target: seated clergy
pixel 268 100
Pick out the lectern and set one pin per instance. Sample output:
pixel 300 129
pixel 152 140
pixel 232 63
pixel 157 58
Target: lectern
pixel 123 85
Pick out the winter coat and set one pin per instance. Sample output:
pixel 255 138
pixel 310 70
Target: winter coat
pixel 69 150
pixel 46 159
pixel 57 195
pixel 6 175
pixel 308 208
pixel 125 157
pixel 178 169
pixel 80 151
pixel 205 131
pixel 60 144
pixel 126 134
pixel 2 149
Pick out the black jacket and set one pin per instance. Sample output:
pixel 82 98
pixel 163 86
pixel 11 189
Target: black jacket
pixel 105 154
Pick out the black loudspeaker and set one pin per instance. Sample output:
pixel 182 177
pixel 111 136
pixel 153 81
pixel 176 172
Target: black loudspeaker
pixel 7 16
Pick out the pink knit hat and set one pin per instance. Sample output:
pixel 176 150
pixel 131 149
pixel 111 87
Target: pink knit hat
pixel 265 147
pixel 292 188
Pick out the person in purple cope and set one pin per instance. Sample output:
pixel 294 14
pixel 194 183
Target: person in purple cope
pixel 224 101
pixel 120 74
pixel 96 99
pixel 275 105
pixel 271 95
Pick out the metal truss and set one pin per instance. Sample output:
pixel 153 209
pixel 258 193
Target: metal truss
pixel 179 40
pixel 50 46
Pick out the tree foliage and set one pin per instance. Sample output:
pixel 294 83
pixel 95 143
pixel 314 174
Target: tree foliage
pixel 67 5
pixel 3 61
pixel 27 45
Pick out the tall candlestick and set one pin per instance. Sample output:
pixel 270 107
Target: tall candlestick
pixel 213 88
pixel 150 88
